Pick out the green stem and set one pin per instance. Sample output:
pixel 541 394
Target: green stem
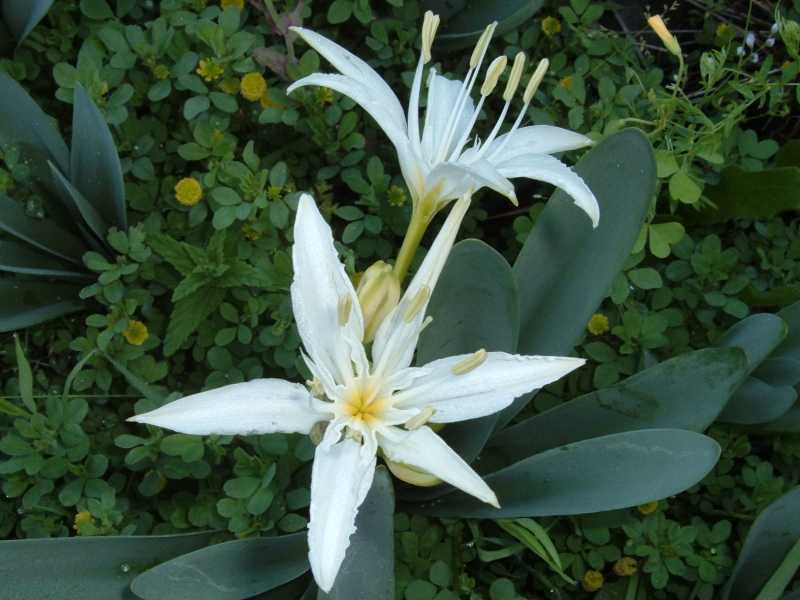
pixel 782 576
pixel 420 219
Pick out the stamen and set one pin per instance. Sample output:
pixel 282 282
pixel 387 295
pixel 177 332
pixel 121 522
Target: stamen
pixel 493 73
pixel 315 387
pixel 482 45
pixel 472 362
pixel 420 418
pixel 417 303
pixel 535 80
pixel 514 77
pixel 429 26
pixel 427 321
pixel 344 309
pixel 318 432
pixel 354 435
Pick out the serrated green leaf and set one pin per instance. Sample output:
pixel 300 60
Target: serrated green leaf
pixel 187 315
pixel 184 257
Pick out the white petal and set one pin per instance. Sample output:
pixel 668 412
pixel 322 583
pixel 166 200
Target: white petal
pixel 423 449
pixel 396 338
pixel 485 389
pixel 320 284
pixel 551 170
pixel 351 66
pixel 459 178
pixel 535 139
pixel 442 96
pixel 258 406
pixel 340 479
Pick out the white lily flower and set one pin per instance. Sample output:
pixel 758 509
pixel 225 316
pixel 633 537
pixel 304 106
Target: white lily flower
pixel 365 405
pixel 438 165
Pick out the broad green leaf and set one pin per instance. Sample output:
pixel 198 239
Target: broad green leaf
pixel 23 124
pixel 463 22
pixel 25 376
pixel 684 392
pixel 753 194
pixel 20 258
pixel 152 393
pixel 21 16
pixel 758 335
pixel 600 474
pixel 565 267
pixel 90 568
pixel 779 370
pixel 25 302
pixel 771 536
pixel 757 402
pixel 790 346
pixel 187 316
pixel 95 169
pixel 184 257
pixel 367 572
pixel 485 316
pixel 78 204
pixel 229 571
pixel 44 234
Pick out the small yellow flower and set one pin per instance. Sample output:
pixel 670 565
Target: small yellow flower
pixel 566 82
pixel 188 191
pixel 598 324
pixel 82 518
pixel 230 85
pixel 725 32
pixel 254 86
pixel 136 333
pixel 649 508
pixel 397 196
pixel 231 3
pixel 626 566
pixel 324 95
pixel 593 580
pixel 209 70
pixel 670 43
pixel 551 26
pixel 274 192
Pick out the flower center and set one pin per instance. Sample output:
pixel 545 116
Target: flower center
pixel 362 403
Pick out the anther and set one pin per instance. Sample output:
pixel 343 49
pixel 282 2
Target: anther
pixel 417 302
pixel 318 432
pixel 315 387
pixel 343 310
pixel 480 47
pixel 515 76
pixel 420 418
pixel 493 75
pixel 429 26
pixel 472 362
pixel 535 80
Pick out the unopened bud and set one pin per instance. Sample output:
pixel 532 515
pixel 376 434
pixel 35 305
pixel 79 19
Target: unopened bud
pixel 411 475
pixel 670 43
pixel 378 293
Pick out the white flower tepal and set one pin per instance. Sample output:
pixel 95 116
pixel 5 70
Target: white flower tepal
pixel 365 403
pixel 437 161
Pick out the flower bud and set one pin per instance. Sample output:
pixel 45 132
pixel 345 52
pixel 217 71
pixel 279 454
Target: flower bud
pixel 378 293
pixel 670 43
pixel 412 475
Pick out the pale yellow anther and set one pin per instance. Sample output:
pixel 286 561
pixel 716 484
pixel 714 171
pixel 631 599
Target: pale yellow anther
pixel 344 309
pixel 427 321
pixel 535 80
pixel 429 26
pixel 416 304
pixel 514 77
pixel 670 42
pixel 473 361
pixel 493 75
pixel 315 387
pixel 420 418
pixel 480 47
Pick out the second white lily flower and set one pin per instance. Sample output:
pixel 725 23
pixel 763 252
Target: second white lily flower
pixel 437 164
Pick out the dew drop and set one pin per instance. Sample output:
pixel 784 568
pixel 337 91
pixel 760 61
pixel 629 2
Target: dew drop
pixel 125 567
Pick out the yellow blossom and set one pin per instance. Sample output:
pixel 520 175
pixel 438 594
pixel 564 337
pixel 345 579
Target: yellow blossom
pixel 626 566
pixel 254 86
pixel 82 518
pixel 566 82
pixel 670 43
pixel 649 508
pixel 598 324
pixel 397 196
pixel 209 70
pixel 592 580
pixel 231 3
pixel 136 333
pixel 230 85
pixel 188 191
pixel 551 26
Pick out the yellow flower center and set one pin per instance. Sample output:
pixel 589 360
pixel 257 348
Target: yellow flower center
pixel 551 26
pixel 136 333
pixel 362 404
pixel 253 86
pixel 598 324
pixel 188 191
pixel 592 581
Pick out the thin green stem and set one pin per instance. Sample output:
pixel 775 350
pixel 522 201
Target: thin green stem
pixel 420 219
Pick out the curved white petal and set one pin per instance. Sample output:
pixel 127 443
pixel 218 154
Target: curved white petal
pixel 340 479
pixel 485 389
pixel 351 66
pixel 534 139
pixel 454 179
pixel 423 449
pixel 320 285
pixel 551 170
pixel 258 406
pixel 442 96
pixel 396 338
